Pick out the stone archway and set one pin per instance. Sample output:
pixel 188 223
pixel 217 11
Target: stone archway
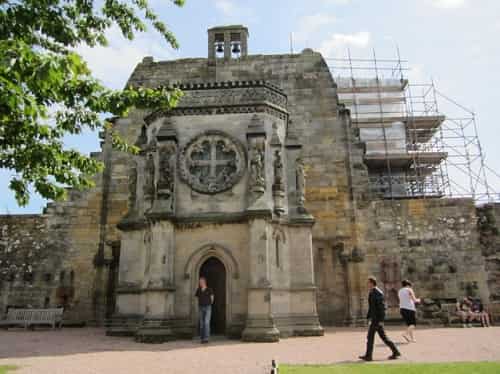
pixel 215 253
pixel 214 272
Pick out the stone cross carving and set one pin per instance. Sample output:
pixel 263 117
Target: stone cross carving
pixel 212 162
pixel 301 184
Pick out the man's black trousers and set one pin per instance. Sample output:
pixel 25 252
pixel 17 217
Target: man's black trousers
pixel 377 327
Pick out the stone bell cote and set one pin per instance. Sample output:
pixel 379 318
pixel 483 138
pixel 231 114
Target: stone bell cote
pixel 228 42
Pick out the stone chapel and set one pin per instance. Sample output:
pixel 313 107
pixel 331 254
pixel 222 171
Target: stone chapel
pixel 259 180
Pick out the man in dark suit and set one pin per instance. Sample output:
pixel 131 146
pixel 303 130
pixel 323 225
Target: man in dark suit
pixel 376 315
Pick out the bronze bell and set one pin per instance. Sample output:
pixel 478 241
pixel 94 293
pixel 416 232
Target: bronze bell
pixel 236 48
pixel 219 47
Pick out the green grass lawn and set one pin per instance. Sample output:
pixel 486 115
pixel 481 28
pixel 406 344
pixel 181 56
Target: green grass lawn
pixel 361 368
pixel 6 369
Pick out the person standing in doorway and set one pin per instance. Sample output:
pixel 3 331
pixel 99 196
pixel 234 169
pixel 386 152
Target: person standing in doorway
pixel 408 310
pixel 205 297
pixel 376 315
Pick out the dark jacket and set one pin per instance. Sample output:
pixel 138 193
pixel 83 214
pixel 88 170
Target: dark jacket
pixel 376 305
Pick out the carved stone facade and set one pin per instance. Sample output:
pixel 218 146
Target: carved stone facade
pixel 230 206
pixel 256 180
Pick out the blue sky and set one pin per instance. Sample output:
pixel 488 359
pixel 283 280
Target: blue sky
pixel 453 42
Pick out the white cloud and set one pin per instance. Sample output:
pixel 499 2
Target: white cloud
pixel 234 12
pixel 310 25
pixel 448 4
pixel 114 64
pixel 337 44
pixel 227 7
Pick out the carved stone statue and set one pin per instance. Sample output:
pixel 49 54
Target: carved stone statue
pixel 278 170
pixel 257 171
pixel 278 186
pixel 166 177
pixel 301 184
pixel 149 178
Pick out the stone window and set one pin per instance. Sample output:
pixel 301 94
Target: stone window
pixel 219 45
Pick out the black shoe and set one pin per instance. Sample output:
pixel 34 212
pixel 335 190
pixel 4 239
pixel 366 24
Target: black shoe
pixel 204 342
pixel 394 356
pixel 365 358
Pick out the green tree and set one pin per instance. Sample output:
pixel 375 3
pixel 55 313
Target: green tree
pixel 47 91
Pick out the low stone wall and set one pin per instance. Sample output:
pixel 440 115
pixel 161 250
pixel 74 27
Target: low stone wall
pixel 433 242
pixel 28 262
pixel 488 226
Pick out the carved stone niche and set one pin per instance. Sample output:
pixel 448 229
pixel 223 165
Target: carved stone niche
pixel 212 162
pixel 300 175
pixel 256 135
pixel 278 185
pixel 167 159
pixel 257 180
pixel 132 189
pixel 149 177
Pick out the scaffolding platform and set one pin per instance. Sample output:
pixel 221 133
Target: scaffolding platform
pixel 412 150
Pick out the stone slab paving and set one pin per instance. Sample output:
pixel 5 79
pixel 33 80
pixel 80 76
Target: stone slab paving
pixel 85 351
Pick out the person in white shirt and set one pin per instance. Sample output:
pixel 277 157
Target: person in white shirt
pixel 407 301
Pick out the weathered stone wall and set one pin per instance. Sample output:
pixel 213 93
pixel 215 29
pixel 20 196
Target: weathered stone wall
pixel 29 272
pixel 433 242
pixel 60 247
pixel 489 236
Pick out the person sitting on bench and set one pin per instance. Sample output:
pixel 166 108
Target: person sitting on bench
pixel 464 312
pixel 479 313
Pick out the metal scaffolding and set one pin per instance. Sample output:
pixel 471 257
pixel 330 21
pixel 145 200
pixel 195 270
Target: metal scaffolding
pixel 412 150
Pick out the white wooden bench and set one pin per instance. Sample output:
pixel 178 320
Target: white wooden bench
pixel 32 317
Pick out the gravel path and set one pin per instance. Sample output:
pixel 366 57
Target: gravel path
pixel 85 351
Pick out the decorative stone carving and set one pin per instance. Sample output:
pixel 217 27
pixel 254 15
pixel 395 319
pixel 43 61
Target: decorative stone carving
pixel 257 167
pixel 212 162
pixel 301 184
pixel 232 95
pixel 275 138
pixel 278 171
pixel 166 175
pixel 278 186
pixel 149 177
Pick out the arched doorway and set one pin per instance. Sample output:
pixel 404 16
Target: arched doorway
pixel 215 273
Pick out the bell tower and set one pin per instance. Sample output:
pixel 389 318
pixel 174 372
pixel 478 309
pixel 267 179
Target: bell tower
pixel 228 42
